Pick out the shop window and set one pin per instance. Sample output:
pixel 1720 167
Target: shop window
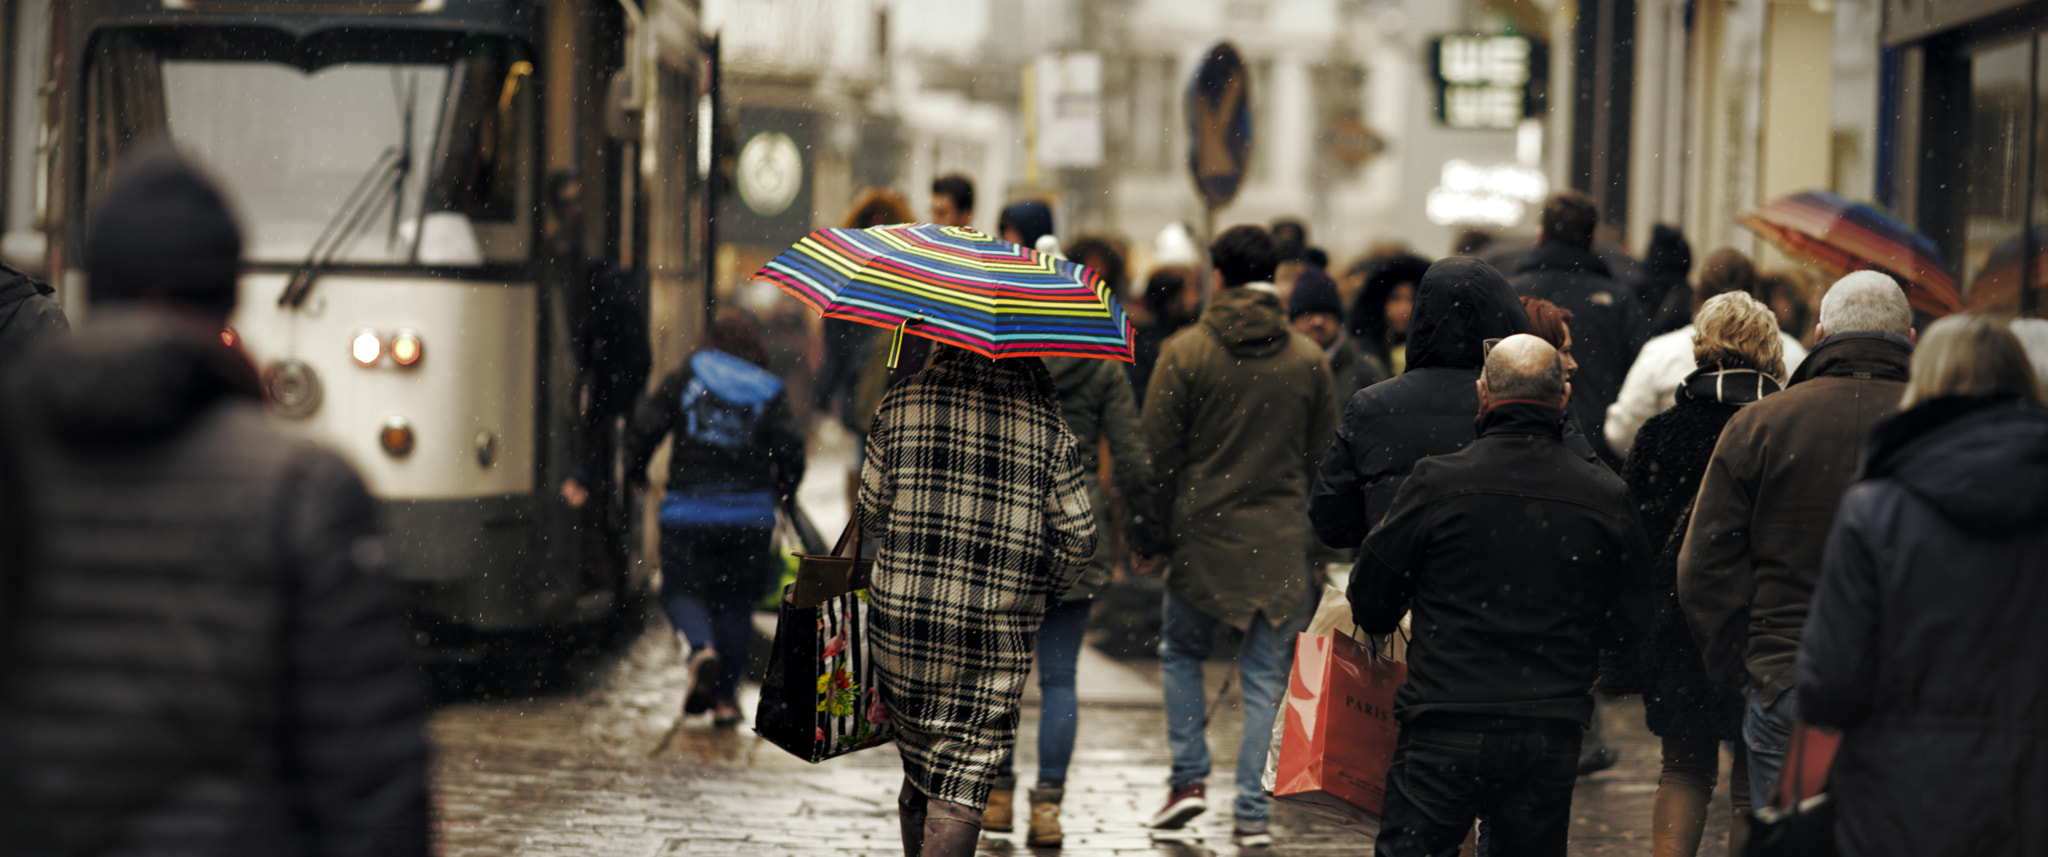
pixel 2000 143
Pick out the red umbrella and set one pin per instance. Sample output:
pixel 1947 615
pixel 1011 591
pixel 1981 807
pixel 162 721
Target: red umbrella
pixel 1842 236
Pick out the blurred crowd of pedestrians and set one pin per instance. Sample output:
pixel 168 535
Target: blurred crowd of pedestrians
pixel 1563 470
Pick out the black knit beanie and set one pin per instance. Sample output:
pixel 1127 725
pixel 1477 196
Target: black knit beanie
pixel 1314 291
pixel 162 230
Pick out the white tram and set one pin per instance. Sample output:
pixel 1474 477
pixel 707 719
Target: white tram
pixel 417 272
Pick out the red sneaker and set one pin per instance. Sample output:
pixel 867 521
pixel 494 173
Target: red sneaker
pixel 1182 805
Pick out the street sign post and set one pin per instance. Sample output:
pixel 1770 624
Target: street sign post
pixel 1219 117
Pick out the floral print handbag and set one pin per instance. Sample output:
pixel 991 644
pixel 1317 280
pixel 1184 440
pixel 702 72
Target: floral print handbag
pixel 820 699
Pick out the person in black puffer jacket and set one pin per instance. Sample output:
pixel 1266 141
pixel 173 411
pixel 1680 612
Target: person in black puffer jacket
pixel 1740 359
pixel 1925 644
pixel 211 660
pixel 737 453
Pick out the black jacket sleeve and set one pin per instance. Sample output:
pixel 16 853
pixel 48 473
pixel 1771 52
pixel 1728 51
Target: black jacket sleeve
pixel 652 419
pixel 1383 582
pixel 1336 505
pixel 354 719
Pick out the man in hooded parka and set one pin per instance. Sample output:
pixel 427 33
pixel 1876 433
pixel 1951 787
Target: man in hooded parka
pixel 1239 408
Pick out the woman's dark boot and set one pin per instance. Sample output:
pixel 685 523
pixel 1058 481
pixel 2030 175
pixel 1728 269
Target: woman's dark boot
pixel 910 813
pixel 950 830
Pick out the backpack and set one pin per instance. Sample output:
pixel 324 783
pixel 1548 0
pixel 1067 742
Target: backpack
pixel 726 400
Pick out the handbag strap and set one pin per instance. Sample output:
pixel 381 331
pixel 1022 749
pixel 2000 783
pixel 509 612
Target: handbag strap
pixel 849 537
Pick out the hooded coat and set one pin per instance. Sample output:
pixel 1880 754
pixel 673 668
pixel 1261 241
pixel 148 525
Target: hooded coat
pixel 1239 410
pixel 1428 410
pixel 972 488
pixel 212 660
pixel 1096 401
pixel 1926 645
pixel 1752 552
pixel 28 314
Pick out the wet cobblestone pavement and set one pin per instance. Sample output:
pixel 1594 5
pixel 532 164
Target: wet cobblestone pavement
pixel 600 770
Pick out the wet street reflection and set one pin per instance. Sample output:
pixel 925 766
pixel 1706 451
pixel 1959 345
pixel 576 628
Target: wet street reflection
pixel 601 768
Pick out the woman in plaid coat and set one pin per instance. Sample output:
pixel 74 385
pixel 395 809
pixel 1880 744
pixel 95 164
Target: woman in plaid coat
pixel 973 489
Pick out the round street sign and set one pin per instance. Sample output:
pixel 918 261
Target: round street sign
pixel 1219 115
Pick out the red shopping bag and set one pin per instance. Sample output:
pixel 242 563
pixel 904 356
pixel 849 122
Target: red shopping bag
pixel 1339 731
pixel 1805 773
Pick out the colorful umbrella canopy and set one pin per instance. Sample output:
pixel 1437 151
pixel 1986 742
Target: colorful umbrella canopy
pixel 957 286
pixel 1842 236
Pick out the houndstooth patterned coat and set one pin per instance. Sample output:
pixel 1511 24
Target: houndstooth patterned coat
pixel 973 490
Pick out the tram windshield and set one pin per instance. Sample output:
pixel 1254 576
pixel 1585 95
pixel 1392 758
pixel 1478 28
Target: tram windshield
pixel 340 150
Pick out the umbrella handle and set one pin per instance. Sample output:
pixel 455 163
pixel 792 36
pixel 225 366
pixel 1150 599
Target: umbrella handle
pixel 896 341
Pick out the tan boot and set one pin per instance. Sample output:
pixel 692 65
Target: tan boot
pixel 1000 814
pixel 1045 818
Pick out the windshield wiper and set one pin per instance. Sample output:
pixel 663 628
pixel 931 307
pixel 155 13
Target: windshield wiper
pixel 386 176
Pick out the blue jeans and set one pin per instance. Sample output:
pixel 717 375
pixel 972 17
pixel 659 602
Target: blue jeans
pixel 1518 782
pixel 1186 636
pixel 1059 710
pixel 710 579
pixel 1768 732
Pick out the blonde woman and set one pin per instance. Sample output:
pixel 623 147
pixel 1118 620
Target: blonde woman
pixel 1925 645
pixel 1738 358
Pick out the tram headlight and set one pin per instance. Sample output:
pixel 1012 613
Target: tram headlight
pixel 406 348
pixel 396 437
pixel 365 347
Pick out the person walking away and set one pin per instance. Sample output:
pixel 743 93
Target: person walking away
pixel 1096 402
pixel 1612 327
pixel 1738 353
pixel 1518 559
pixel 1926 645
pixel 1551 324
pixel 974 489
pixel 735 453
pixel 1664 291
pixel 1385 303
pixel 1317 312
pixel 1651 386
pixel 1172 301
pixel 1239 410
pixel 1460 303
pixel 28 314
pixel 1753 548
pixel 953 200
pixel 210 658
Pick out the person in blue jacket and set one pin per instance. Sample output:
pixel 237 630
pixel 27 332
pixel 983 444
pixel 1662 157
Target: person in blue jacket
pixel 736 454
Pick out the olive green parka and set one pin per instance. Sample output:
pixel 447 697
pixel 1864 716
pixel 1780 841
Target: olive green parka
pixel 1239 412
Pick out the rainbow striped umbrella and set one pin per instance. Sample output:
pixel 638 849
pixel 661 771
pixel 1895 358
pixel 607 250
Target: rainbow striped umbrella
pixel 957 286
pixel 1842 236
